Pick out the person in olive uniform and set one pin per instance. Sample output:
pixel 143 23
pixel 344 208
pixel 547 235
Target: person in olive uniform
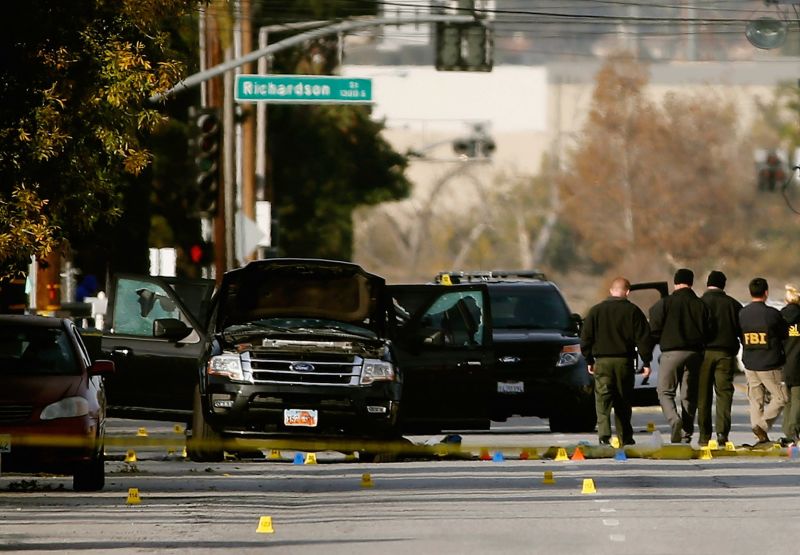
pixel 612 332
pixel 681 324
pixel 791 368
pixel 763 333
pixel 719 360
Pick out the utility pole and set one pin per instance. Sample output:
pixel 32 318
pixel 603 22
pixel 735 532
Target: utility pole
pixel 248 123
pixel 211 96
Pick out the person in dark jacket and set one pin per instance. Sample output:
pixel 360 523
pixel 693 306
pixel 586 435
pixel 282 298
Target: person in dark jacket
pixel 612 332
pixel 763 333
pixel 681 324
pixel 791 368
pixel 719 360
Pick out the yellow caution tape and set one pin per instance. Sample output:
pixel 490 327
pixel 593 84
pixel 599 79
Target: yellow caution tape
pixel 272 446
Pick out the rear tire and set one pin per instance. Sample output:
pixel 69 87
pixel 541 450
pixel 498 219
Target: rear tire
pixel 90 475
pixel 204 445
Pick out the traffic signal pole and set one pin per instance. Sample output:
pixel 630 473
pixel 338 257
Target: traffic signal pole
pixel 342 27
pixel 224 228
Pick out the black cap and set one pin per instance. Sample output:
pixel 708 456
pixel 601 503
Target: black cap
pixel 684 276
pixel 716 279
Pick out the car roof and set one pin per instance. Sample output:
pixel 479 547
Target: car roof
pixel 493 276
pixel 31 320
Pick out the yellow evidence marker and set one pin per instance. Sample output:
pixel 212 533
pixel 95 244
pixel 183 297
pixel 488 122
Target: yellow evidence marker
pixel 133 496
pixel 265 525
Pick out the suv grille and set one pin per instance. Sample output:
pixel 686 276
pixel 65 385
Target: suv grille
pixel 15 413
pixel 305 369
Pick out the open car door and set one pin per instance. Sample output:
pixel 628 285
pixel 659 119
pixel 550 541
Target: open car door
pixel 155 331
pixel 443 340
pixel 645 295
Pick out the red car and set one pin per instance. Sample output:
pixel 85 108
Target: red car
pixel 52 401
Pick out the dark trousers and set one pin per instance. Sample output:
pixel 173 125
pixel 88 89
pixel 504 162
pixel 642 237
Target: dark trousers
pixel 613 387
pixel 679 368
pixel 716 376
pixel 791 414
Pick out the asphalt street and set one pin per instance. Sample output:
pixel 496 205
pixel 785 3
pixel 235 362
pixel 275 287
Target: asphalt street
pixel 735 504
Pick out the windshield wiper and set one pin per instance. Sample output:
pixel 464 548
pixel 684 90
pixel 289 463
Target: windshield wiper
pixel 524 327
pixel 334 328
pixel 252 328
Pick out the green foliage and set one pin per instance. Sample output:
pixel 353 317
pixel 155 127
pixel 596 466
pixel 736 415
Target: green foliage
pixel 74 82
pixel 331 161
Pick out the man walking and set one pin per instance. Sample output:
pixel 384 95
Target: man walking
pixel 611 334
pixel 791 368
pixel 763 333
pixel 681 324
pixel 719 360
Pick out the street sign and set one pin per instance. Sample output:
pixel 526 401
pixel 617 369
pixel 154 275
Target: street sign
pixel 303 89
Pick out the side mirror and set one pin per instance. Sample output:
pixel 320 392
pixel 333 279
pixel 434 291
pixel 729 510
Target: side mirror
pixel 170 329
pixel 575 323
pixel 102 368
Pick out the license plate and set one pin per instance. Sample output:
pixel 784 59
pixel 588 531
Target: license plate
pixel 300 417
pixel 510 387
pixel 5 443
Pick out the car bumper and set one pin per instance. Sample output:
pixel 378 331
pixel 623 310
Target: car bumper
pixel 258 410
pixel 56 446
pixel 527 394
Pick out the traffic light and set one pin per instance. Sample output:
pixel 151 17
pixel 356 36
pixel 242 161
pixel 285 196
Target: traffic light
pixel 771 173
pixel 463 47
pixel 206 151
pixel 202 253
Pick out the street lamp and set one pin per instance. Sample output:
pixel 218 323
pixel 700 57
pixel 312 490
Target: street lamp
pixel 478 146
pixel 768 32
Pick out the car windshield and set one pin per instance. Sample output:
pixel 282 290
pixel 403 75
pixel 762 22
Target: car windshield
pixel 298 325
pixel 531 308
pixel 35 350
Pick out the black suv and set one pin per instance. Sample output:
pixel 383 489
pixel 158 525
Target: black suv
pixel 299 347
pixel 538 368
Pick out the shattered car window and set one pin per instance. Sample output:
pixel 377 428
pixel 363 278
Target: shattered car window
pixel 138 304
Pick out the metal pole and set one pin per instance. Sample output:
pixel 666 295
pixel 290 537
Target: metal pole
pixel 197 78
pixel 229 170
pixel 261 124
pixel 238 132
pixel 201 29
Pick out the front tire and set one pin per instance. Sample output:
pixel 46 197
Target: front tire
pixel 204 445
pixel 90 475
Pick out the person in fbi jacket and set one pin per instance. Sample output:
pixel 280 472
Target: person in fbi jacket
pixel 763 333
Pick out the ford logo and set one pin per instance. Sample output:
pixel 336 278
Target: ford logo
pixel 302 367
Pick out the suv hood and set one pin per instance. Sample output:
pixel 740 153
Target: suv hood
pixel 301 288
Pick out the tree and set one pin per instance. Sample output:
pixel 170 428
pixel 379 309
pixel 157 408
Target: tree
pixel 658 178
pixel 74 80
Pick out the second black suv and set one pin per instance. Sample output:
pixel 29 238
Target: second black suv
pixel 538 369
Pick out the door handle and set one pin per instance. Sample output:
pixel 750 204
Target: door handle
pixel 469 364
pixel 121 352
